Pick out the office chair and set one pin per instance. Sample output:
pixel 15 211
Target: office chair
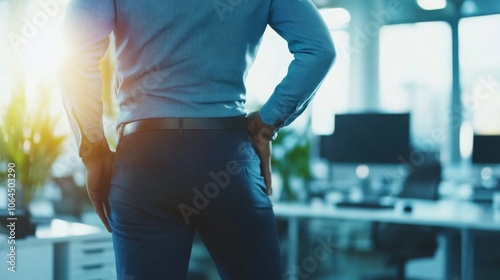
pixel 401 243
pixel 423 180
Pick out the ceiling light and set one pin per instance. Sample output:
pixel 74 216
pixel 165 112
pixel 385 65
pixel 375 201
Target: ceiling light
pixel 432 4
pixel 336 18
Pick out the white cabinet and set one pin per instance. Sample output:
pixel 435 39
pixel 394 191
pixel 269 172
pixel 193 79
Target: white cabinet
pixel 61 251
pixel 33 260
pixel 90 259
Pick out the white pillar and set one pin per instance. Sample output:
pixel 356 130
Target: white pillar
pixel 364 54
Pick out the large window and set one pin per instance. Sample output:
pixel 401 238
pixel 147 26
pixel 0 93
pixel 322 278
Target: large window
pixel 415 76
pixel 480 72
pixel 4 78
pixel 333 95
pixel 271 66
pixel 30 50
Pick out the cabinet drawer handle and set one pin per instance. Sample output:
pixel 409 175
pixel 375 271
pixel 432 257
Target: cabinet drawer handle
pixel 93 251
pixel 92 266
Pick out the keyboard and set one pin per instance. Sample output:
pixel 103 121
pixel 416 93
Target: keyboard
pixel 364 205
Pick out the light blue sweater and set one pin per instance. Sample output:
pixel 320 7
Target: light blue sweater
pixel 189 58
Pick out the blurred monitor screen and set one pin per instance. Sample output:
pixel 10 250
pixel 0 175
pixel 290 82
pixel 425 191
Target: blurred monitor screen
pixel 486 149
pixel 368 138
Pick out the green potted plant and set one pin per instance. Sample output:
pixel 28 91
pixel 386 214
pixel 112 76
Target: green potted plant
pixel 27 139
pixel 291 153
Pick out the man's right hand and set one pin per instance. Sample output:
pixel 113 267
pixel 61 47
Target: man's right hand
pixel 261 134
pixel 98 185
pixel 98 160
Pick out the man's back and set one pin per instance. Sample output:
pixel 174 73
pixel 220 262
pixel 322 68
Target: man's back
pixel 188 160
pixel 185 58
pixel 191 55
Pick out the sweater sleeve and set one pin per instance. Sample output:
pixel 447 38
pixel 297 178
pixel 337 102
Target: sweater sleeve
pixel 309 40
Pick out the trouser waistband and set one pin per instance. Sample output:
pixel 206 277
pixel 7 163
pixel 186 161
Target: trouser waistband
pixel 228 123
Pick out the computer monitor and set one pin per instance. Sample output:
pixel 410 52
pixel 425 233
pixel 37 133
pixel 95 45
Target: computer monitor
pixel 486 160
pixel 367 138
pixel 486 149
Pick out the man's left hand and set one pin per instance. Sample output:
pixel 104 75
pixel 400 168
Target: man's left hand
pixel 261 135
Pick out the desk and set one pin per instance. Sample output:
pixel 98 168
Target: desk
pixel 460 215
pixel 61 250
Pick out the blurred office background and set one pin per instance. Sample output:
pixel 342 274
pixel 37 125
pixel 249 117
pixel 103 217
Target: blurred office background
pixel 391 173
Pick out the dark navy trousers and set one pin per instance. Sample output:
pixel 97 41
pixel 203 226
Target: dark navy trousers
pixel 168 184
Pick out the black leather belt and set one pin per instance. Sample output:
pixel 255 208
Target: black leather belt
pixel 230 123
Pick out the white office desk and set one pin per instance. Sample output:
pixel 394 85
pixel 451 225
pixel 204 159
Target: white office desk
pixel 61 250
pixel 460 215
